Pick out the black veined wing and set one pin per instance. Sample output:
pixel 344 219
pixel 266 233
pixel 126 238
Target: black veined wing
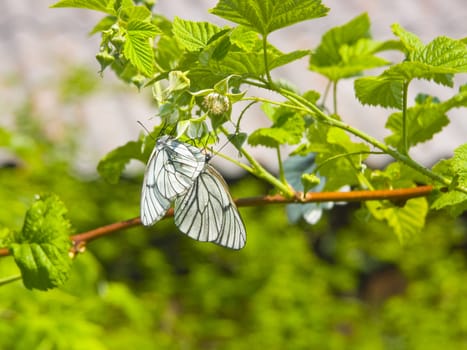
pixel 172 168
pixel 206 212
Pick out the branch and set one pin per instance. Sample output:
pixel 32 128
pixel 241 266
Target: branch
pixel 353 196
pixel 80 240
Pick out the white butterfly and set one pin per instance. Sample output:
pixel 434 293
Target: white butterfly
pixel 206 212
pixel 171 170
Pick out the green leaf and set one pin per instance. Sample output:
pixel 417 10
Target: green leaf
pixel 327 52
pixel 96 5
pixel 244 38
pixel 143 29
pixel 455 168
pixel 437 61
pixel 287 128
pixel 354 60
pixel 339 138
pixel 406 221
pixel 168 53
pixel 347 50
pixel 193 36
pixel 177 81
pixel 283 59
pixel 238 139
pixel 217 48
pixel 337 157
pixel 135 13
pixel 445 53
pixel 459 100
pixel 442 52
pixel 379 91
pixel 454 200
pixel 138 49
pixel 396 175
pixel 252 63
pixel 104 24
pixel 386 90
pixel 197 129
pixel 5 137
pixel 408 71
pixel 459 164
pixel 411 42
pixel 309 181
pixel 125 70
pixel 5 236
pixel 267 16
pixel 112 165
pixel 423 121
pixel 41 249
pixel 221 48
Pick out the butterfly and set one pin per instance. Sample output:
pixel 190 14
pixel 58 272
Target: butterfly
pixel 171 170
pixel 207 212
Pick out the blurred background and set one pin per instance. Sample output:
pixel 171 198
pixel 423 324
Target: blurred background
pixel 345 283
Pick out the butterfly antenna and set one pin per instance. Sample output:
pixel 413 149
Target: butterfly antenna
pixel 146 129
pixel 229 137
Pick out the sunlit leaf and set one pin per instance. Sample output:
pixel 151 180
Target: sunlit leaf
pixel 338 157
pixel 134 13
pixel 287 128
pixel 193 36
pixel 97 5
pixel 411 42
pixel 379 91
pixel 269 15
pixel 406 221
pixel 112 165
pixel 244 38
pixel 423 121
pixel 240 62
pixel 347 50
pixel 41 249
pixel 456 169
pixel 438 61
pixel 104 24
pixel 138 48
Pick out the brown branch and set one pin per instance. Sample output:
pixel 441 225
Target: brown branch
pixel 353 196
pixel 80 240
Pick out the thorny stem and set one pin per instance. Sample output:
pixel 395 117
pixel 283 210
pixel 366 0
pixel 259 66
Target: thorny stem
pixel 277 103
pixel 262 173
pixel 80 240
pixel 334 97
pixel 324 118
pixel 236 162
pixel 326 92
pixel 331 159
pixel 306 106
pixel 265 56
pixel 281 166
pixel 320 116
pixel 10 279
pixel 405 141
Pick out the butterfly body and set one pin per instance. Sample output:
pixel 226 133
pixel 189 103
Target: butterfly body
pixel 203 208
pixel 171 170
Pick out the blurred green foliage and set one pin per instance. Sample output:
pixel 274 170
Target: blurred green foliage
pixel 346 283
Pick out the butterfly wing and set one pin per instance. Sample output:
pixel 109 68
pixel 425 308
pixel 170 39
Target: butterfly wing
pixel 172 168
pixel 176 167
pixel 233 233
pixel 206 212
